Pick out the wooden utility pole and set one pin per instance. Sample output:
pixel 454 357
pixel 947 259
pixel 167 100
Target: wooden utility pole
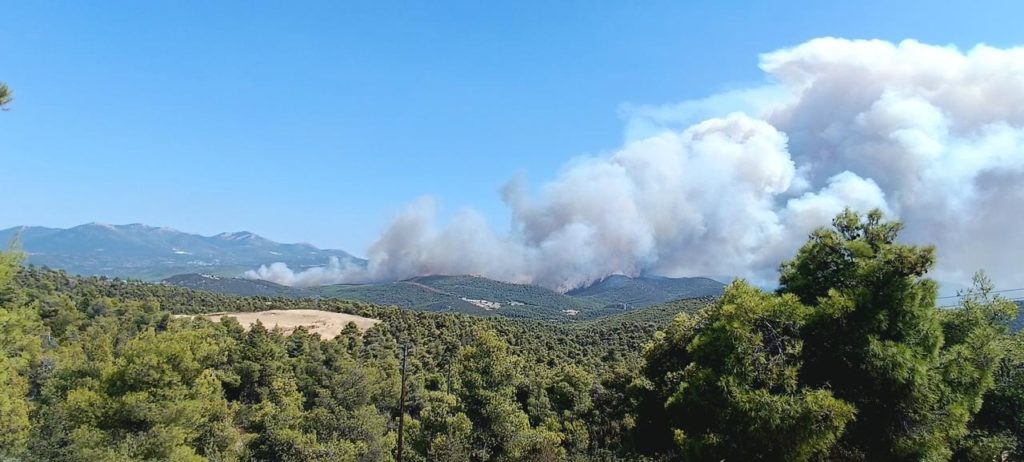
pixel 450 353
pixel 449 376
pixel 401 402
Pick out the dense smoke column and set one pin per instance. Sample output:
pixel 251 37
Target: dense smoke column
pixel 731 184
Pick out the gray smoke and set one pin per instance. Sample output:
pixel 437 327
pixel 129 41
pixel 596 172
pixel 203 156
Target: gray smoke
pixel 732 184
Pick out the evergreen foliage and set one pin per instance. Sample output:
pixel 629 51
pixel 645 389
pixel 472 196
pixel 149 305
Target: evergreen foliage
pixel 849 360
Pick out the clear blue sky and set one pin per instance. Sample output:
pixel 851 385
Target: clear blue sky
pixel 317 122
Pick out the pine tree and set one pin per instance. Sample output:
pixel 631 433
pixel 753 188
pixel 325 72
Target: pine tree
pixel 875 338
pixel 730 377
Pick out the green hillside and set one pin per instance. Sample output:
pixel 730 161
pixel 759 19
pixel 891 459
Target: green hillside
pixel 229 285
pixel 645 291
pixel 465 294
pixel 478 296
pixel 402 294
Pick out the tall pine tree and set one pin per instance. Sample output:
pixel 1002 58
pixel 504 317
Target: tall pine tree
pixel 875 339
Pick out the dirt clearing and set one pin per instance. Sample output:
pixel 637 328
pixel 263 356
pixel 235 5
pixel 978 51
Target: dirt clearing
pixel 325 323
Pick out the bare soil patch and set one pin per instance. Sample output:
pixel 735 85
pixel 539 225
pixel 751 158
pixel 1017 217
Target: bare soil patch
pixel 325 323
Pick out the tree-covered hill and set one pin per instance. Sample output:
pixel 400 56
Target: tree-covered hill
pixel 630 292
pixel 230 285
pixel 481 296
pixel 466 294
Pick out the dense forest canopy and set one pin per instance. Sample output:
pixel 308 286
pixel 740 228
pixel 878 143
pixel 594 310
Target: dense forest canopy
pixel 850 359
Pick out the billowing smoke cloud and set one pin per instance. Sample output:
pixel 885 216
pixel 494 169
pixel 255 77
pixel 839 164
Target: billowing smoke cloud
pixel 733 183
pixel 336 272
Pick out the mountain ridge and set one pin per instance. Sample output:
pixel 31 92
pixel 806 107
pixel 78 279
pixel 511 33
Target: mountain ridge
pixel 152 253
pixel 217 263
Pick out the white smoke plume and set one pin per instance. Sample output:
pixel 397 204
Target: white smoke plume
pixel 732 184
pixel 336 272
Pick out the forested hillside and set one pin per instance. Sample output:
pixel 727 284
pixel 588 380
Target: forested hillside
pixel 481 296
pixel 849 360
pixel 627 292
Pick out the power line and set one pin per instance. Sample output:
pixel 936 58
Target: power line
pixel 1008 299
pixel 991 292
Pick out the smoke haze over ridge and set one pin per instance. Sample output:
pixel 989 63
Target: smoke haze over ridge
pixel 732 184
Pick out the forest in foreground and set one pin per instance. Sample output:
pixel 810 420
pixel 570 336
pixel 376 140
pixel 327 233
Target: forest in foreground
pixel 850 359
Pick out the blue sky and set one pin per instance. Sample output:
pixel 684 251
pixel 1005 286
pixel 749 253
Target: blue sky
pixel 318 122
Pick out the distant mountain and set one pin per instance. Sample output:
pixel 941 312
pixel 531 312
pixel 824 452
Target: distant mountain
pixel 646 291
pixel 482 296
pixel 150 253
